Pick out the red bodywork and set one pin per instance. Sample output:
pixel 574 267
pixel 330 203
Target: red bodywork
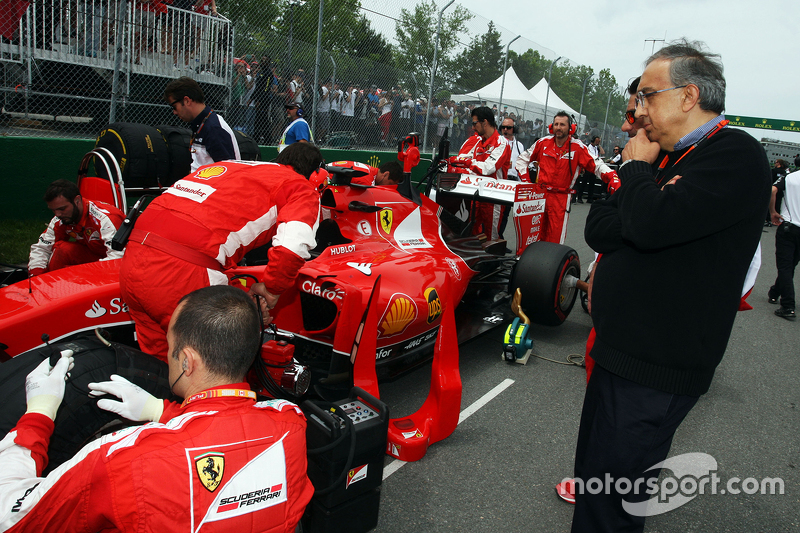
pixel 386 278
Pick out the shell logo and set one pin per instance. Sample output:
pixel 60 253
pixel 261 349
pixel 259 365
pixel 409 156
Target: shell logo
pixel 210 172
pixel 400 312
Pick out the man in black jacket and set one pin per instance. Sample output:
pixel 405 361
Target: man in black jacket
pixel 659 342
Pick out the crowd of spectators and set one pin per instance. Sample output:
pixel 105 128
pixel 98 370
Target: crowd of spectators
pixel 349 113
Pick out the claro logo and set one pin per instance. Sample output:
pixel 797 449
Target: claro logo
pixel 326 290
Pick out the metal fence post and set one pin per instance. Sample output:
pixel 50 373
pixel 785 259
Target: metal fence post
pixel 121 16
pixel 433 76
pixel 605 120
pixel 503 83
pixel 580 113
pixel 549 78
pixel 316 67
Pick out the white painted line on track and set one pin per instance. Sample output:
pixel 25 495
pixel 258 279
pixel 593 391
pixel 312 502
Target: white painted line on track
pixel 395 465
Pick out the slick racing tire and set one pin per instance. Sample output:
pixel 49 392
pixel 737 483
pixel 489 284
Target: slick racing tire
pixel 78 419
pixel 539 275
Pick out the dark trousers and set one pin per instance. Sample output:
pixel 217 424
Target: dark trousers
pixel 585 183
pixel 787 255
pixel 625 429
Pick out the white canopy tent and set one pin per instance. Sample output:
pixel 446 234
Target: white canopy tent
pixel 515 95
pixel 554 103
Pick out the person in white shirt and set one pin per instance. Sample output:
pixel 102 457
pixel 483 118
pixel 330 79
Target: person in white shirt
pixel 349 108
pixel 336 107
pixel 407 113
pixel 324 110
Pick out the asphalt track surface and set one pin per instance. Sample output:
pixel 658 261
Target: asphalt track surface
pixel 497 471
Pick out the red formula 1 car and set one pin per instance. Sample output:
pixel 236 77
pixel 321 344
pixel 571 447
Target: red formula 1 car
pixel 393 272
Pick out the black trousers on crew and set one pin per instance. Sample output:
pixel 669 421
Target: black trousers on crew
pixel 787 255
pixel 625 429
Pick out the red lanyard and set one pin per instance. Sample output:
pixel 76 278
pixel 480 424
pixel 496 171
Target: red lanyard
pixel 708 135
pixel 203 123
pixel 219 393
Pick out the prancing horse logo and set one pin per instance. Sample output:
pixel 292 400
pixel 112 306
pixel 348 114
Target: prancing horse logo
pixel 210 467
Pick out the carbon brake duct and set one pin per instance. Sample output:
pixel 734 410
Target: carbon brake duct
pixel 409 437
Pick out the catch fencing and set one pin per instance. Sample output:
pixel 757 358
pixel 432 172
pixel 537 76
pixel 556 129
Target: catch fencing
pixel 362 70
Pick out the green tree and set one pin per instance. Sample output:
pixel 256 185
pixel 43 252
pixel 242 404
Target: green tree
pixel 480 63
pixel 416 37
pixel 530 66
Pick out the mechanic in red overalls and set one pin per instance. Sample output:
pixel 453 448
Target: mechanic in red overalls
pixel 206 223
pixel 80 232
pixel 486 153
pixel 561 160
pixel 219 461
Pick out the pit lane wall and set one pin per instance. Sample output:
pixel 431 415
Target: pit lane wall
pixel 30 164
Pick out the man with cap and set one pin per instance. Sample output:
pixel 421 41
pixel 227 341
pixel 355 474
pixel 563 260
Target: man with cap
pixel 297 130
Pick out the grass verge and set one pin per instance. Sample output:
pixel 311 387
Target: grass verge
pixel 16 237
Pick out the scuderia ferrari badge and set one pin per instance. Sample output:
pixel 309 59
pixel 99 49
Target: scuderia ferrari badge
pixel 210 467
pixel 385 216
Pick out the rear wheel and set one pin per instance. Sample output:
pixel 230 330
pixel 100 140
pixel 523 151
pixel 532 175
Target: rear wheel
pixel 542 275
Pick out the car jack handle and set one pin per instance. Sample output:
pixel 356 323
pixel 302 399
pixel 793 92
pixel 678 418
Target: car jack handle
pixel 516 343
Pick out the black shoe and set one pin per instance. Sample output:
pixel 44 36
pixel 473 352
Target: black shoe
pixel 580 201
pixel 783 312
pixel 772 300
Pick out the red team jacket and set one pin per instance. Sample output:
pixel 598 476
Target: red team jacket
pixel 216 464
pixel 95 231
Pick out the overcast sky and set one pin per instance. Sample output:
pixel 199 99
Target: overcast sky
pixel 756 39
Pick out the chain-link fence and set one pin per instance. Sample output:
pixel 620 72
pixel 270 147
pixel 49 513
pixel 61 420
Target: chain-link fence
pixel 362 70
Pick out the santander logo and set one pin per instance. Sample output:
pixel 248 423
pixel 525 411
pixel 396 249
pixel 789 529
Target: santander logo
pixel 96 311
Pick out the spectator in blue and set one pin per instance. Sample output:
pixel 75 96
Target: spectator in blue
pixel 297 130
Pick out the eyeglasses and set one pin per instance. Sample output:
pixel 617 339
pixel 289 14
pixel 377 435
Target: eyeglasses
pixel 506 127
pixel 475 124
pixel 630 116
pixel 176 102
pixel 641 97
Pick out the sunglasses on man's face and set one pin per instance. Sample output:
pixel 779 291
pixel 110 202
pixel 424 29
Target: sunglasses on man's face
pixel 630 116
pixel 506 127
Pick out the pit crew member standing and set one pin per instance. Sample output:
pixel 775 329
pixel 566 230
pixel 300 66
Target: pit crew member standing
pixel 654 354
pixel 219 460
pixel 787 241
pixel 206 223
pixel 561 159
pixel 80 232
pixel 486 153
pixel 212 139
pixel 297 130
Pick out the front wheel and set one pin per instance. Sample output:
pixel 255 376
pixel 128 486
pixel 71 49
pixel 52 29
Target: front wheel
pixel 542 275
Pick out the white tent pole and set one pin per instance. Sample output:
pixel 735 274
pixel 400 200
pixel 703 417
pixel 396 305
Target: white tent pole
pixel 503 84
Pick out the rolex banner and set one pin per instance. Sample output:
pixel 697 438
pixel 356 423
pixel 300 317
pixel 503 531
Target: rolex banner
pixel 763 123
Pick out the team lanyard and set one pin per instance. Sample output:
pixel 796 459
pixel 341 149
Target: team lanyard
pixel 203 123
pixel 708 135
pixel 219 393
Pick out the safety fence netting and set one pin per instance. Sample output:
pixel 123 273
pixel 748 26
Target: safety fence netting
pixel 361 70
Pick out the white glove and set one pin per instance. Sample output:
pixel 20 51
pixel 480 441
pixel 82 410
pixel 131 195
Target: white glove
pixel 137 404
pixel 44 386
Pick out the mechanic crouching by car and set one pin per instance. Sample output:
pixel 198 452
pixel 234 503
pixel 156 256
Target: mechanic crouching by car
pixel 486 153
pixel 80 232
pixel 220 460
pixel 207 222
